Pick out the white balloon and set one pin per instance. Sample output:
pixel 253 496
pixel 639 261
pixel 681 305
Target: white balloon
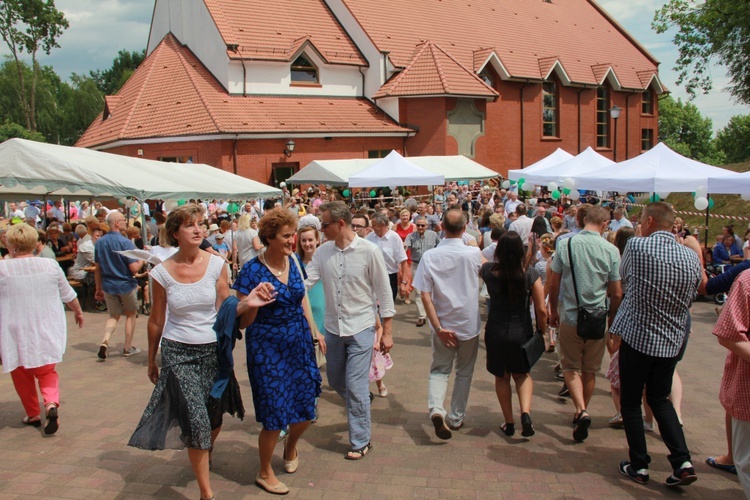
pixel 745 196
pixel 506 184
pixel 701 192
pixel 532 201
pixel 575 195
pixel 569 183
pixel 663 195
pixel 701 203
pixel 393 188
pixel 282 184
pixel 129 203
pixel 552 186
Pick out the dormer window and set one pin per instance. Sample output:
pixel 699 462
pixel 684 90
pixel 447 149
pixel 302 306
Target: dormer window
pixel 303 71
pixel 486 77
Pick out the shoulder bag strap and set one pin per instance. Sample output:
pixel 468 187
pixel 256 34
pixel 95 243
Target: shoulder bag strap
pixel 299 269
pixel 572 271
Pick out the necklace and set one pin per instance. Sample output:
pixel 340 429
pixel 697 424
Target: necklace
pixel 273 270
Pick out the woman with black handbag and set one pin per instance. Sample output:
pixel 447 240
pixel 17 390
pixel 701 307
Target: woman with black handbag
pixel 512 345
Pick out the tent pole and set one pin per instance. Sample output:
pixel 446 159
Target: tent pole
pixel 708 209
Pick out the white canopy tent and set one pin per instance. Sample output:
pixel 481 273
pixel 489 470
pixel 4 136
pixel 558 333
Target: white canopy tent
pixel 395 170
pixel 730 183
pixel 39 169
pixel 658 170
pixel 589 161
pixel 559 156
pixel 337 172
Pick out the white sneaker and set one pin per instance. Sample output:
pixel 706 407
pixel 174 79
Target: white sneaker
pixel 133 350
pixel 648 426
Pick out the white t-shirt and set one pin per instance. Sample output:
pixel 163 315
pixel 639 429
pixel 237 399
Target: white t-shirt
pixel 191 307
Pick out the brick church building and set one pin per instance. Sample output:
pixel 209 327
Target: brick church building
pixel 262 88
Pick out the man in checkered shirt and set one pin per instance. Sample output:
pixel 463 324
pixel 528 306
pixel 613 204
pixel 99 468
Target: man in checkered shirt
pixel 662 277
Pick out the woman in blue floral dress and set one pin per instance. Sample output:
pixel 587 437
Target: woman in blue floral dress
pixel 280 356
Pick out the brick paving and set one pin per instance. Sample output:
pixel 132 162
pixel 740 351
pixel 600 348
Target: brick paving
pixel 102 402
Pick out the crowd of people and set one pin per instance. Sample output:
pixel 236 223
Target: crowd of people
pixel 316 280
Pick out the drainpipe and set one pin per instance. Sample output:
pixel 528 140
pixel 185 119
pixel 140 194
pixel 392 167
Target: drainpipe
pixel 627 123
pixel 579 117
pixel 234 154
pixel 244 78
pixel 523 156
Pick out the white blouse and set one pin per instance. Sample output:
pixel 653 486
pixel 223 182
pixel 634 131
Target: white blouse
pixel 33 328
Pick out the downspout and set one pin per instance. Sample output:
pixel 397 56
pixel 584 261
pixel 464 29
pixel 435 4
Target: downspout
pixel 244 77
pixel 579 117
pixel 627 124
pixel 234 154
pixel 523 156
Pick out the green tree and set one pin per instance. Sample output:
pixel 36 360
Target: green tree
pixel 29 26
pixel 708 29
pixel 111 80
pixel 81 101
pixel 734 139
pixel 10 130
pixel 685 130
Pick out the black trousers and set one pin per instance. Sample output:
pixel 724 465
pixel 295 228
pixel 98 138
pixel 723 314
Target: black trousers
pixel 636 371
pixel 394 284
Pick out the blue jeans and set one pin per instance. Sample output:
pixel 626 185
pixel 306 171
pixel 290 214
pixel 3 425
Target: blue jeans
pixel 465 355
pixel 348 369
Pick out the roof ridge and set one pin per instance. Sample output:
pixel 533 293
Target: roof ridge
pixel 472 73
pixel 209 109
pixel 438 66
pixel 159 48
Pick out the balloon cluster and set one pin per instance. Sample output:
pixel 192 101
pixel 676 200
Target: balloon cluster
pixel 702 201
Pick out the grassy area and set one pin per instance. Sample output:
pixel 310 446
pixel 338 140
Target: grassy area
pixel 724 204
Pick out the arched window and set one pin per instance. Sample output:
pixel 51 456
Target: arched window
pixel 550 110
pixel 303 71
pixel 602 117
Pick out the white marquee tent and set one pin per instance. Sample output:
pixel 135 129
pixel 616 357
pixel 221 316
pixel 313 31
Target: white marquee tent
pixel 588 161
pixel 730 183
pixel 559 156
pixel 658 170
pixel 395 170
pixel 337 172
pixel 33 168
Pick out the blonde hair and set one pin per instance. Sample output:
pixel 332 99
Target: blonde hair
pixel 301 230
pixel 22 238
pixel 244 222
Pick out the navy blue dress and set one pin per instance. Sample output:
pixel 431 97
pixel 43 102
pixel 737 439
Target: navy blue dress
pixel 280 356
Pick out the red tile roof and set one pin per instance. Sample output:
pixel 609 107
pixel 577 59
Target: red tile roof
pixel 270 30
pixel 576 32
pixel 433 71
pixel 172 94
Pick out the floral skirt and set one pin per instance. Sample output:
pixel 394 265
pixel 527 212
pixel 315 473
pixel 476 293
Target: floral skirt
pixel 181 412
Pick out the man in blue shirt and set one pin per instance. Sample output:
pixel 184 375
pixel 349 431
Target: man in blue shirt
pixel 116 284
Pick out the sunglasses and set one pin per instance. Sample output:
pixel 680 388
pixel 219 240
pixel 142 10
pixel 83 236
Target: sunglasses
pixel 324 225
pixel 357 226
pixel 421 225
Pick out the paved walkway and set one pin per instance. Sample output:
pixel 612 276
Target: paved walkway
pixel 103 401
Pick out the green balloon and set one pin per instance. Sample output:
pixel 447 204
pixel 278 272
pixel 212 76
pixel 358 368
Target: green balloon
pixel 566 191
pixel 710 203
pixel 555 195
pixel 373 194
pixel 653 198
pixel 520 185
pixel 692 194
pixel 346 193
pixel 521 180
pixel 513 183
pixel 180 203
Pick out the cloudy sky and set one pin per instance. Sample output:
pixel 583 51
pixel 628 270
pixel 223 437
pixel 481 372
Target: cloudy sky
pixel 100 28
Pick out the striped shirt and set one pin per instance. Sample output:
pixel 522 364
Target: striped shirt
pixel 662 277
pixel 419 244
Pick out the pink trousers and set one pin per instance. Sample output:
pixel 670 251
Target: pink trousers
pixel 23 381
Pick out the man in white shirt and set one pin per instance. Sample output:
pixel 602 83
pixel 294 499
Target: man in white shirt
pixel 619 220
pixel 354 276
pixel 522 224
pixel 394 254
pixel 448 277
pixel 512 203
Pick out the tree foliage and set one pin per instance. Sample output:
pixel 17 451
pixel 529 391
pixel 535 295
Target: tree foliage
pixel 111 80
pixel 13 130
pixel 708 29
pixel 734 139
pixel 685 130
pixel 29 26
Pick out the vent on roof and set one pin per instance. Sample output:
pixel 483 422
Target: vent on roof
pixel 233 46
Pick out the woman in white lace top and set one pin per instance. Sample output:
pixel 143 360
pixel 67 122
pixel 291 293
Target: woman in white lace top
pixel 33 333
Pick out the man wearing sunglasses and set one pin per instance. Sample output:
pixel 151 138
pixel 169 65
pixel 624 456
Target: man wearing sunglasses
pixel 419 242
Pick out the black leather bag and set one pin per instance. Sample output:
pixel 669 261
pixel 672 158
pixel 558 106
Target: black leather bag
pixel 592 321
pixel 533 349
